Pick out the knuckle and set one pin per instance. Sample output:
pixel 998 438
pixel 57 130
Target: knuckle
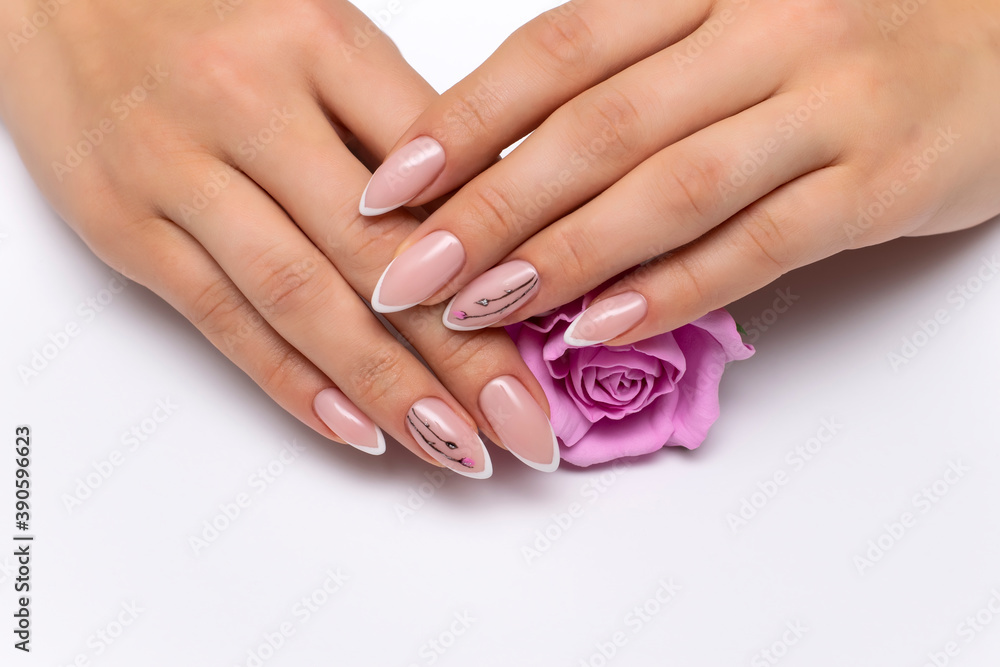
pixel 689 189
pixel 576 255
pixel 218 307
pixel 768 237
pixel 563 37
pixel 289 285
pixel 692 290
pixel 462 353
pixel 469 118
pixel 283 372
pixel 611 122
pixel 375 377
pixel 212 69
pixel 495 210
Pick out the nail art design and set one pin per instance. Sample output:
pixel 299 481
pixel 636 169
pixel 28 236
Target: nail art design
pixel 492 296
pixel 419 272
pixel 402 176
pixel 606 319
pixel 446 437
pixel 520 423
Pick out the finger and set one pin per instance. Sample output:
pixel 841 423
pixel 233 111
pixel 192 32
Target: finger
pixel 671 199
pixel 548 61
pixel 210 301
pixel 588 145
pixel 800 223
pixel 356 62
pixel 313 177
pixel 300 294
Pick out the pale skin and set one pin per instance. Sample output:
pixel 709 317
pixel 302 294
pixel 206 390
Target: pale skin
pixel 229 190
pixel 216 178
pixel 732 140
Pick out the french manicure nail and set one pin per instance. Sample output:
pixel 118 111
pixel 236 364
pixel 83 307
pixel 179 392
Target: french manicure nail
pixel 606 319
pixel 422 269
pixel 492 296
pixel 348 422
pixel 448 439
pixel 520 422
pixel 403 176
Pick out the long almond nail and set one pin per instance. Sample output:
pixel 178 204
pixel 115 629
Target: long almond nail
pixel 422 269
pixel 348 422
pixel 606 319
pixel 448 439
pixel 520 422
pixel 492 296
pixel 402 176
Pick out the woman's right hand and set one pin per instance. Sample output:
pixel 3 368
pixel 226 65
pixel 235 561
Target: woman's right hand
pixel 204 150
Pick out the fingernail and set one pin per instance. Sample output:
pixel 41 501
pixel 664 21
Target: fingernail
pixel 422 269
pixel 448 439
pixel 520 422
pixel 402 176
pixel 348 422
pixel 606 319
pixel 492 296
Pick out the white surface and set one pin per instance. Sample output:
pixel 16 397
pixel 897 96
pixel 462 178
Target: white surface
pixel 461 552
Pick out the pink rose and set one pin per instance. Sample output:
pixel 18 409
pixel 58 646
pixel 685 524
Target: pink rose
pixel 610 402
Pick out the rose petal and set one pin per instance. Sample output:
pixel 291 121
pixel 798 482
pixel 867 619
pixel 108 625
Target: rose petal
pixel 639 433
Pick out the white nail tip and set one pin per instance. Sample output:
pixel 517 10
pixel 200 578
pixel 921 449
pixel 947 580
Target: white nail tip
pixel 374 451
pixel 542 467
pixel 377 304
pixel 579 342
pixel 369 212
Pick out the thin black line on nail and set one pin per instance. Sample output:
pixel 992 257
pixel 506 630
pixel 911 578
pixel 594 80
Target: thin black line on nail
pixel 531 284
pixel 430 444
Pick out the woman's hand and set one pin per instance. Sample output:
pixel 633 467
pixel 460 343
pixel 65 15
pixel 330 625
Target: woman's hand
pixel 199 149
pixel 723 142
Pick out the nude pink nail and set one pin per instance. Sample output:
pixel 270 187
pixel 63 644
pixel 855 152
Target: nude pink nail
pixel 606 319
pixel 348 422
pixel 492 296
pixel 520 423
pixel 422 269
pixel 403 176
pixel 448 439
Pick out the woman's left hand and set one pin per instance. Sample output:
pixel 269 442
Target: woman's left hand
pixel 728 141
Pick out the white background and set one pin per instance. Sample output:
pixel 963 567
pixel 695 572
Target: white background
pixel 463 551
